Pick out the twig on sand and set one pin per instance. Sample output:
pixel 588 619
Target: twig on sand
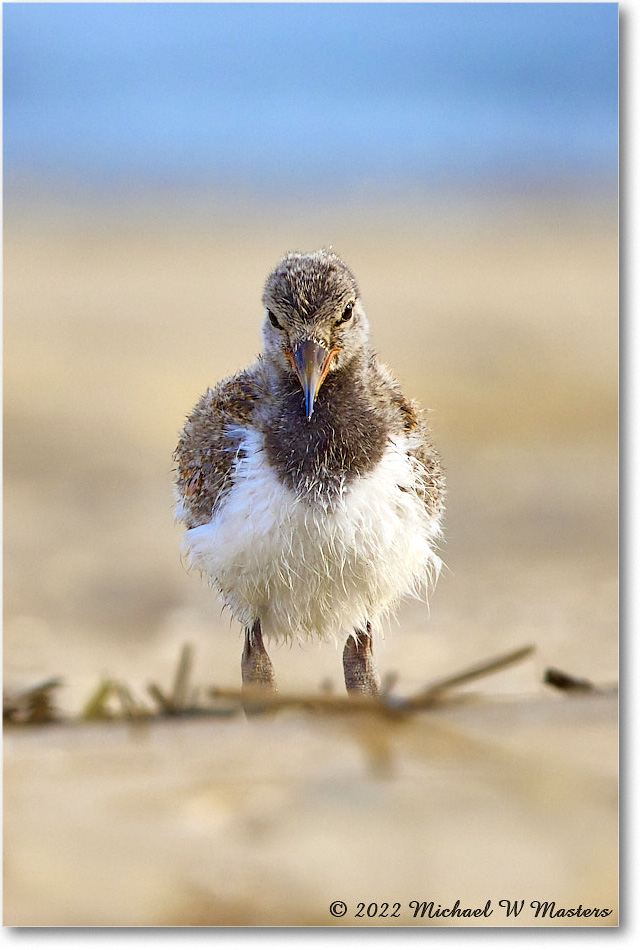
pixel 386 704
pixel 181 681
pixel 35 706
pixel 433 693
pixel 176 703
pixel 164 702
pixel 32 706
pixel 568 683
pixel 96 706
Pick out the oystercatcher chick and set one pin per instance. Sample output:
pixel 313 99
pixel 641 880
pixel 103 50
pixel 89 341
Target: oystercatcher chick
pixel 309 485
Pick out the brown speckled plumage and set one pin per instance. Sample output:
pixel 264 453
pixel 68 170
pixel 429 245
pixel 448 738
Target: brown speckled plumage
pixel 210 442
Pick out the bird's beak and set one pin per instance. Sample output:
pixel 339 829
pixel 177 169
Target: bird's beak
pixel 311 362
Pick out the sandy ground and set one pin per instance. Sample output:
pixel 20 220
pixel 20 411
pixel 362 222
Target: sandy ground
pixel 500 317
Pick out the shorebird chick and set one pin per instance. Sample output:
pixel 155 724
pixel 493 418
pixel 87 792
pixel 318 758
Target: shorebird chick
pixel 310 488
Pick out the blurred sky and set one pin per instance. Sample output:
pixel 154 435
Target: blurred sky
pixel 285 96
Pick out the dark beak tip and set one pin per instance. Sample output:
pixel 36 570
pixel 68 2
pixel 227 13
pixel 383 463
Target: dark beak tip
pixel 309 409
pixel 311 361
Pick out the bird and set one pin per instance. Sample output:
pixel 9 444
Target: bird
pixel 309 486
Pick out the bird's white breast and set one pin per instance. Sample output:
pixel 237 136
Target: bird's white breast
pixel 305 567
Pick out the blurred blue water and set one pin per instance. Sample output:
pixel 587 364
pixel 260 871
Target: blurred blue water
pixel 292 95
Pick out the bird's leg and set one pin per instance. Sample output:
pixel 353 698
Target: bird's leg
pixel 358 664
pixel 256 667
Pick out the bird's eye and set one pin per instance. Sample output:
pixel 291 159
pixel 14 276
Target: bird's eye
pixel 347 314
pixel 273 320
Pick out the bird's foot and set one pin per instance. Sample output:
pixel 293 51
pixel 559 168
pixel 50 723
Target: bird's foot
pixel 256 670
pixel 358 664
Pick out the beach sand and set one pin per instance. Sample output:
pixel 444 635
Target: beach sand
pixel 502 317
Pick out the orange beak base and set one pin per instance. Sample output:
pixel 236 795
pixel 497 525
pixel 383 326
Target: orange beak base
pixel 311 362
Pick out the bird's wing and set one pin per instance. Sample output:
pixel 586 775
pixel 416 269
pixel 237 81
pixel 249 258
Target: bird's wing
pixel 411 422
pixel 209 444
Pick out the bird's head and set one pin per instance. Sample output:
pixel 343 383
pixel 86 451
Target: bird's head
pixel 314 321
